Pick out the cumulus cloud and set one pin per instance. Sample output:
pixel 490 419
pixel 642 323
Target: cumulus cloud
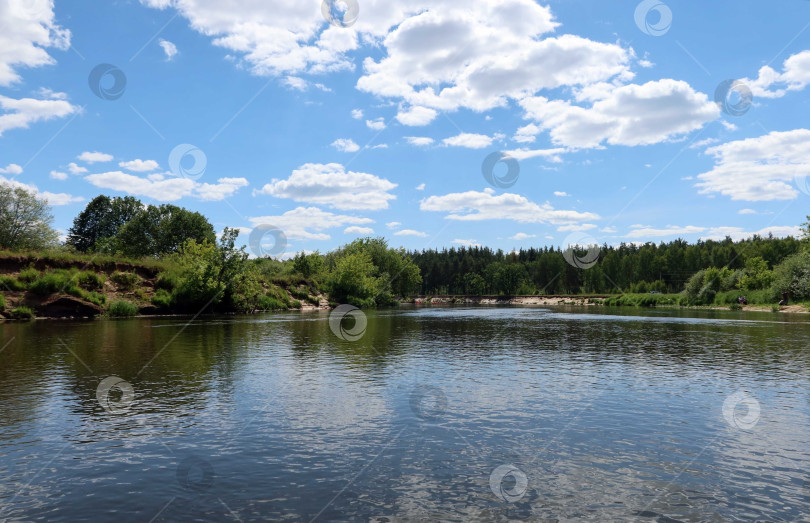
pixel 759 169
pixel 522 236
pixel 420 187
pixel 12 169
pixel 140 166
pixel 166 189
pixel 377 124
pixel 411 232
pixel 27 29
pixel 628 115
pixel 795 76
pixel 330 184
pixel 416 116
pixel 95 157
pixel 357 114
pixel 54 199
pixel 561 193
pixel 712 233
pixel 526 134
pixel 393 225
pixel 419 141
pixel 669 230
pixel 469 140
pixel 354 229
pixel 168 48
pixel 58 175
pixel 345 145
pixel 76 169
pixel 467 243
pixel 21 113
pixel 486 205
pixel 308 223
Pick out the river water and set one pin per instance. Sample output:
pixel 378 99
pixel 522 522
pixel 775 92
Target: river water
pixel 434 413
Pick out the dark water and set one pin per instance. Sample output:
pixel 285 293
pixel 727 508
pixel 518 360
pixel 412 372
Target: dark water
pixel 452 414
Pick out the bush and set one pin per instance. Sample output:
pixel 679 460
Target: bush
pixel 735 307
pixel 122 308
pixel 300 294
pixel 94 297
pixel 793 277
pixel 56 281
pixel 167 281
pixel 162 299
pixel 22 313
pixel 2 302
pixel 11 284
pixel 125 280
pixel 28 275
pixel 268 303
pixel 91 280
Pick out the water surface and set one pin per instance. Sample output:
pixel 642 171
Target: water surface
pixel 440 413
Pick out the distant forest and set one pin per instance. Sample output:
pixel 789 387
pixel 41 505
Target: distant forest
pixel 664 267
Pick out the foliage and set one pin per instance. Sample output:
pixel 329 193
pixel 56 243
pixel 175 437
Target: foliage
pixel 55 281
pixel 91 280
pixel 160 230
pixel 757 275
pixel 25 220
pixel 644 300
pixel 167 281
pixel 793 276
pixel 162 299
pixel 308 265
pixel 11 284
pixel 100 221
pixel 125 280
pixel 28 275
pixel 121 309
pixel 22 313
pixel 2 302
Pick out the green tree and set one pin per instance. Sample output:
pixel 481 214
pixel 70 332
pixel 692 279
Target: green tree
pixel 352 280
pixel 793 276
pixel 100 221
pixel 757 275
pixel 160 230
pixel 474 284
pixel 25 220
pixel 308 265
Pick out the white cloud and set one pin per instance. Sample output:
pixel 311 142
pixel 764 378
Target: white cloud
pixel 522 236
pixel 420 187
pixel 478 54
pixel 467 243
pixel 140 166
pixel 299 84
pixel 378 124
pixel 416 116
pixel 55 199
pixel 759 169
pixel 163 189
pixel 20 113
pixel 57 175
pixel 577 227
pixel 553 155
pixel 309 222
pixel 747 211
pixel 469 140
pixel 393 225
pixel 526 134
pixel 169 48
pixel 329 184
pixel 95 157
pixel 486 205
pixel 420 141
pixel 58 199
pixel 795 76
pixel 411 232
pixel 669 230
pixel 27 29
pixel 354 229
pixel 628 115
pixel 12 169
pixel 737 233
pixel 345 145
pixel 357 114
pixel 561 193
pixel 76 169
pixel 608 229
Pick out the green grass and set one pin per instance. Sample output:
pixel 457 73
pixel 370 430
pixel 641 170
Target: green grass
pixel 125 280
pixel 91 280
pixel 61 256
pixel 268 303
pixel 167 281
pixel 55 281
pixel 122 309
pixel 28 275
pixel 644 300
pixel 10 283
pixel 162 299
pixel 2 302
pixel 22 313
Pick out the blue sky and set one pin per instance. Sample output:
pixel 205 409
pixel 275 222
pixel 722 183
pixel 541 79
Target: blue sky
pixel 327 132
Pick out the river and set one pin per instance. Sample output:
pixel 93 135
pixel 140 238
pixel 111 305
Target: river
pixel 435 413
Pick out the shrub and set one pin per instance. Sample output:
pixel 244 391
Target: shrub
pixel 94 297
pixel 56 281
pixel 28 275
pixel 793 277
pixel 11 284
pixel 2 302
pixel 735 307
pixel 167 281
pixel 122 308
pixel 125 280
pixel 268 303
pixel 162 299
pixel 314 300
pixel 22 313
pixel 91 280
pixel 299 293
